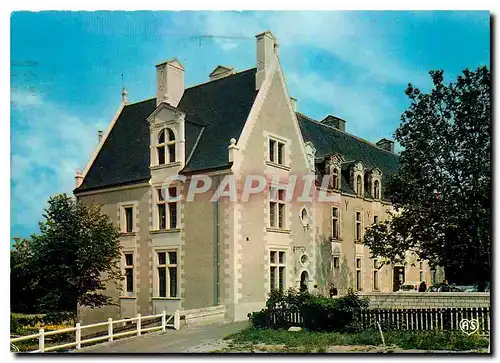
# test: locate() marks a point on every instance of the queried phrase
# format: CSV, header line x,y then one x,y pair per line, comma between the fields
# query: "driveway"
x,y
184,340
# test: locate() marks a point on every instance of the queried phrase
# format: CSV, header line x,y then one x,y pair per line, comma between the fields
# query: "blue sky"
x,y
66,74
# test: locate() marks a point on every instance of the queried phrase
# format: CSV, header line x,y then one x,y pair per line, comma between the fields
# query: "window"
x,y
421,274
358,274
167,211
359,186
375,275
375,219
167,274
129,273
277,208
276,152
358,226
129,219
277,275
335,179
335,223
376,189
166,147
336,262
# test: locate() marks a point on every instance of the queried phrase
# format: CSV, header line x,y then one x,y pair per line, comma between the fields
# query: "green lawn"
x,y
306,341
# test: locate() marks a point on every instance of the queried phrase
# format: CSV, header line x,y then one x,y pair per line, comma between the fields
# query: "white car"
x,y
408,287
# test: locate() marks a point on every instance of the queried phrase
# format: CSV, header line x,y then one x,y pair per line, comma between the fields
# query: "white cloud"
x,y
48,145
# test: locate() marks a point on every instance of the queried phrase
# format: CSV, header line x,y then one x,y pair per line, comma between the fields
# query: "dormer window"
x,y
374,180
335,178
166,147
359,186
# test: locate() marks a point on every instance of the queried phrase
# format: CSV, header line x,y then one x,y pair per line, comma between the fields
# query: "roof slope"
x,y
216,111
328,140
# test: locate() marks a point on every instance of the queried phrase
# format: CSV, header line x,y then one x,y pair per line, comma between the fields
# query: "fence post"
x,y
163,320
138,324
177,320
78,336
110,329
41,340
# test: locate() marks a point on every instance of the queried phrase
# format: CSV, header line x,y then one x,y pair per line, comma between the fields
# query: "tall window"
x,y
277,208
376,189
276,152
421,274
359,186
375,275
167,274
358,226
277,263
129,273
167,211
335,179
166,147
129,219
358,274
375,219
335,223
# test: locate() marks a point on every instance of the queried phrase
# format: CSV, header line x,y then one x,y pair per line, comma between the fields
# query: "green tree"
x,y
442,189
70,262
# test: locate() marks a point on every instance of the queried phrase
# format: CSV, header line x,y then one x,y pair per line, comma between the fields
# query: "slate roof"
x,y
328,140
216,111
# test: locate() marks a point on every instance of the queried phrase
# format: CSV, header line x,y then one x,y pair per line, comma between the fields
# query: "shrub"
x,y
318,313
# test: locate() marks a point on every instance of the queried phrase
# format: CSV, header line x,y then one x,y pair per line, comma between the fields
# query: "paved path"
x,y
184,340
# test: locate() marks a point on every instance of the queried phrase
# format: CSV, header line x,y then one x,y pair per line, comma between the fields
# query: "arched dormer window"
x,y
336,178
376,189
166,147
359,186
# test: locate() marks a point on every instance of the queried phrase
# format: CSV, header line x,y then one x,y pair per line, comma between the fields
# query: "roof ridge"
x,y
347,133
220,79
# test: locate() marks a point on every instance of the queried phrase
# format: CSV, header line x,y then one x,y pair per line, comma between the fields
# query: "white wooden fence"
x,y
165,322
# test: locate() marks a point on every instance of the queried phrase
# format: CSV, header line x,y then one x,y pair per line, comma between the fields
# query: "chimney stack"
x,y
169,82
334,122
386,144
267,50
124,96
99,135
294,103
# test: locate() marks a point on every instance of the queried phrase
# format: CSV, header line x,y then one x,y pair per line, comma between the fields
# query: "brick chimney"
x,y
267,49
169,82
386,144
334,122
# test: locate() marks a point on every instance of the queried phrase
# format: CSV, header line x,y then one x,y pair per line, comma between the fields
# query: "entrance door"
x,y
398,278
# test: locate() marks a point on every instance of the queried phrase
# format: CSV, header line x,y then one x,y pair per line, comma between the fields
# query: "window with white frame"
x,y
277,208
128,212
376,189
376,286
358,226
335,179
359,186
166,266
276,151
165,148
277,265
359,285
336,262
167,210
335,223
129,273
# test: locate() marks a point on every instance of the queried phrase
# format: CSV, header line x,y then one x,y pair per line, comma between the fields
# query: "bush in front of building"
x,y
311,312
